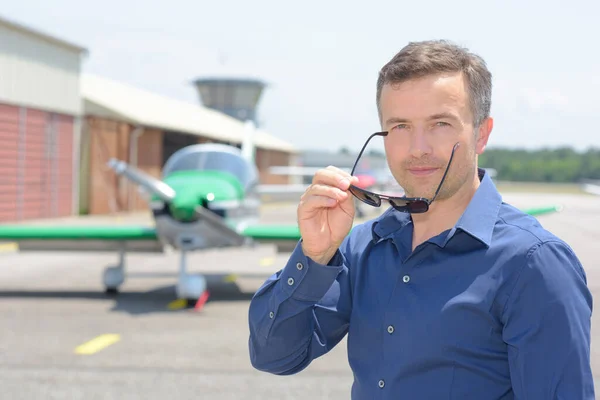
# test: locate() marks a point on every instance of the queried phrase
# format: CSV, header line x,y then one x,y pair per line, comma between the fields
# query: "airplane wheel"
x,y
113,277
191,302
190,287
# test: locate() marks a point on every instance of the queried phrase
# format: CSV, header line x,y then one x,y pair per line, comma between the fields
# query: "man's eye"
x,y
442,123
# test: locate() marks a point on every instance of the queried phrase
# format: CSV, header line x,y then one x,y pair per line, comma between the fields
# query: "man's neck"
x,y
443,214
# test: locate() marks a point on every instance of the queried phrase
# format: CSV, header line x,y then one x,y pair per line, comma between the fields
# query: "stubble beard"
x,y
459,174
416,189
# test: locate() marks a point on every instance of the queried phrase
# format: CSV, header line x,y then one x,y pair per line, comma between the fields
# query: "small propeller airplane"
x,y
209,197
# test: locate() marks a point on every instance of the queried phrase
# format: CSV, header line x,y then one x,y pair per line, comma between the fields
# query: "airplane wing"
x,y
144,238
284,236
535,211
82,238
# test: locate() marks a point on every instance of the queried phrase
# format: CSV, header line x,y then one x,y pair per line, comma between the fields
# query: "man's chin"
x,y
421,191
420,194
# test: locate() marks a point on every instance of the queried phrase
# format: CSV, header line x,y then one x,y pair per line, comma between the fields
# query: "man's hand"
x,y
325,213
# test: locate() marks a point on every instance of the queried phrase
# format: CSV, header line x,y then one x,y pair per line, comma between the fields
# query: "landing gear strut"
x,y
115,276
189,287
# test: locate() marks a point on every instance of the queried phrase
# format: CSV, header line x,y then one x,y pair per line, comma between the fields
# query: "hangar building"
x,y
40,110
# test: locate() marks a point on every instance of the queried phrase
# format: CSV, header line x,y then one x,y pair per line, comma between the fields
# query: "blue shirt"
x,y
495,308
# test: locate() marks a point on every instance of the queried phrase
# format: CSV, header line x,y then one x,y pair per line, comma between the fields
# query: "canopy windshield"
x,y
203,158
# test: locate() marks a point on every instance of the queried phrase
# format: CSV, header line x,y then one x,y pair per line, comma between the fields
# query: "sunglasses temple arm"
x,y
363,149
444,176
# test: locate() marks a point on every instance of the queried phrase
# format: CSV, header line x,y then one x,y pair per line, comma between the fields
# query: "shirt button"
x,y
290,281
271,314
299,266
381,383
390,329
406,278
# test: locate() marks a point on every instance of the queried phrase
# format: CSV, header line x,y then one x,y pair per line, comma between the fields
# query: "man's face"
x,y
424,118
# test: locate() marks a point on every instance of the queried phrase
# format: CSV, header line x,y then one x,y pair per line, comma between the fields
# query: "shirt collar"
x,y
478,219
481,214
389,222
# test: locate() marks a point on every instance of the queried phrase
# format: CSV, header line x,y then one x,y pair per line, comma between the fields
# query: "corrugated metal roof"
x,y
40,35
108,98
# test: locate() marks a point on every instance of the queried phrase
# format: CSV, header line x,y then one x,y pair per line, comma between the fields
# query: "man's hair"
x,y
420,59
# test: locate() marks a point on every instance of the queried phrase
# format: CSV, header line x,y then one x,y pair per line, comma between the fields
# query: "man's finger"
x,y
334,178
316,201
326,190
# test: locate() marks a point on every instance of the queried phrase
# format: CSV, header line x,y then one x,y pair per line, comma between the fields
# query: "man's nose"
x,y
419,143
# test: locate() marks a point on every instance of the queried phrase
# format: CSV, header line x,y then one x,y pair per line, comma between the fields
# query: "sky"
x,y
320,59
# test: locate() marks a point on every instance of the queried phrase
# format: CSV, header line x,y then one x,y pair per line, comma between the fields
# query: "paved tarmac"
x,y
53,303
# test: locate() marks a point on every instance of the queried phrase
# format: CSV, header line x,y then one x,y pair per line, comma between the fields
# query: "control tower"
x,y
236,97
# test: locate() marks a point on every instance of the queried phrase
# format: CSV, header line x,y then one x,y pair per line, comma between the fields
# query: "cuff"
x,y
304,279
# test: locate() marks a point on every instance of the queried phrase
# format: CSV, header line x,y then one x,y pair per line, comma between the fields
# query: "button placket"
x,y
390,329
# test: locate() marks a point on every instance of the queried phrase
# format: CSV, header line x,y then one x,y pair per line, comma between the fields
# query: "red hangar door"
x,y
36,164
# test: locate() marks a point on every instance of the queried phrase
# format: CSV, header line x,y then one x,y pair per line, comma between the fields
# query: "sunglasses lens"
x,y
413,207
418,207
366,197
399,204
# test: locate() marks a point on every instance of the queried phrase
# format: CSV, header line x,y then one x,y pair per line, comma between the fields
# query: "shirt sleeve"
x,y
299,313
547,322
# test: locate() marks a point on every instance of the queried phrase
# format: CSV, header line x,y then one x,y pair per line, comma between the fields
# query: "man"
x,y
469,299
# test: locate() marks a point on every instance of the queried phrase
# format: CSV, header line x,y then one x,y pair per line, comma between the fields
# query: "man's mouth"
x,y
422,171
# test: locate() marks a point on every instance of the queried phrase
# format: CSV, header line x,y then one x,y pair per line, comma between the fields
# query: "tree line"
x,y
562,164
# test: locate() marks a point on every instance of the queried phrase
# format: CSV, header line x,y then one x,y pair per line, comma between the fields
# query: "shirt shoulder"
x,y
538,248
534,261
522,231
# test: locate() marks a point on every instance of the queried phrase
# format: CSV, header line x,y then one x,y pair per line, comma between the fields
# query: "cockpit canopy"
x,y
213,157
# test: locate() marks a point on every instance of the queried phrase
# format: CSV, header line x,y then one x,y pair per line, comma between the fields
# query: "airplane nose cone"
x,y
198,188
183,207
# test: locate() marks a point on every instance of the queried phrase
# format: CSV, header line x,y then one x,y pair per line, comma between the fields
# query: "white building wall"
x,y
39,73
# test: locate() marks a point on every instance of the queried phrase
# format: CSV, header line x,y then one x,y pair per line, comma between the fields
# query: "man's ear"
x,y
483,134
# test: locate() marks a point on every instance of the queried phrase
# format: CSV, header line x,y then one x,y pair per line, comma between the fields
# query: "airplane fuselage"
x,y
210,205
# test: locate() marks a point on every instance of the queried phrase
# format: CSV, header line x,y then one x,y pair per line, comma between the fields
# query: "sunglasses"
x,y
413,205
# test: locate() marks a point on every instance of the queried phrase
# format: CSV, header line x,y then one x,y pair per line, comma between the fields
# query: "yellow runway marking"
x,y
8,247
97,344
177,304
230,278
267,261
